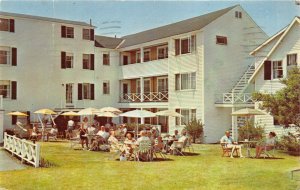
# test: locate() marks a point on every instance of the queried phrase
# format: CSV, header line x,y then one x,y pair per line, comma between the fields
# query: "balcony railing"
x,y
145,97
1,101
234,98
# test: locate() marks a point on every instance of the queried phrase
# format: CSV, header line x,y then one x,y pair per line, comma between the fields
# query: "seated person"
x,y
90,131
129,143
176,135
114,143
159,144
70,128
123,129
267,145
229,143
183,138
102,137
53,132
143,137
34,134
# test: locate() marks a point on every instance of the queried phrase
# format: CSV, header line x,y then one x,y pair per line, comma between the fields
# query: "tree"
x,y
284,105
195,128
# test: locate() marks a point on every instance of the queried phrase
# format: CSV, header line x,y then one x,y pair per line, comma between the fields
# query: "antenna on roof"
x,y
90,22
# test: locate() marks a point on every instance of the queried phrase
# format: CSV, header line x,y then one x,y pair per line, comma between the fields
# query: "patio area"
x,y
207,169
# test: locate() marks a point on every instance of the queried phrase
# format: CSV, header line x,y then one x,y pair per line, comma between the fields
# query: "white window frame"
x,y
89,65
106,91
84,36
167,85
191,113
138,86
150,85
70,35
8,24
137,56
190,77
8,56
86,87
276,69
8,89
147,50
72,60
165,47
106,53
289,59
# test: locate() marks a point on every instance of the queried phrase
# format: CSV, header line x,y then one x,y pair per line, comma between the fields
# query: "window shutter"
x,y
14,56
79,91
11,25
92,57
13,119
177,118
92,92
28,117
267,70
63,60
63,31
92,34
177,46
13,90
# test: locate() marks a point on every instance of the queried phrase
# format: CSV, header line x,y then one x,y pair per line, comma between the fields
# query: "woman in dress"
x,y
267,145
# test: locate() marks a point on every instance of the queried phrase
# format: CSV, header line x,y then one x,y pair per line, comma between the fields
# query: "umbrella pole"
x,y
42,127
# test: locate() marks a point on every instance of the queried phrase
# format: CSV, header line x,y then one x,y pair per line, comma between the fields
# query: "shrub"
x,y
290,142
251,132
194,128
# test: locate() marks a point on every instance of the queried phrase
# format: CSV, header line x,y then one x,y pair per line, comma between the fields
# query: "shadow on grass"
x,y
154,160
190,154
268,158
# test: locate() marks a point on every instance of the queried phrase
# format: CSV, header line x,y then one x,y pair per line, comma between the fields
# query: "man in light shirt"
x,y
228,140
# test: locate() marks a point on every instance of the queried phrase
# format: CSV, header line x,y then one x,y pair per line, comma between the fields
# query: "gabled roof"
x,y
107,42
44,18
283,33
177,28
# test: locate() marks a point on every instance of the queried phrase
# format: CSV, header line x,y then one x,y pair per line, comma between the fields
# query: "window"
x,y
88,34
222,40
291,59
277,69
238,14
8,89
147,55
5,88
125,60
185,45
4,57
162,52
106,87
69,60
86,91
106,59
188,115
7,25
138,57
88,61
67,32
185,81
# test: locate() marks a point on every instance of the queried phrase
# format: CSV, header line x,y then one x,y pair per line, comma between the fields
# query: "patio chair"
x,y
188,145
143,150
75,140
178,147
227,150
157,150
268,153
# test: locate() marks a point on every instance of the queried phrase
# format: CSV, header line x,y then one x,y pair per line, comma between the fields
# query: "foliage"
x,y
290,142
132,126
284,105
194,128
251,132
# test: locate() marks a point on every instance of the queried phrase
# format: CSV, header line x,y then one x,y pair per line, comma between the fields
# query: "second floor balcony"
x,y
231,99
145,97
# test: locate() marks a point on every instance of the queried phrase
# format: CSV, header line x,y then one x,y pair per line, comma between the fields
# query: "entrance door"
x,y
69,93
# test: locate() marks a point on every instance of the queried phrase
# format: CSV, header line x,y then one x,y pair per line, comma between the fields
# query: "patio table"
x,y
248,143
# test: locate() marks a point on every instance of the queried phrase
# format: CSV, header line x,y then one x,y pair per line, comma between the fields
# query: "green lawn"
x,y
78,169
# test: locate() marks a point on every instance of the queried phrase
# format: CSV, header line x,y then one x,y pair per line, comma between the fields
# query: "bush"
x,y
194,128
290,142
251,132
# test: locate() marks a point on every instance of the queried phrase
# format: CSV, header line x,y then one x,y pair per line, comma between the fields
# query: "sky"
x,y
128,17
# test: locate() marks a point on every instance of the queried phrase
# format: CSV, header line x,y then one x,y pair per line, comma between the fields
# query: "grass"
x,y
77,169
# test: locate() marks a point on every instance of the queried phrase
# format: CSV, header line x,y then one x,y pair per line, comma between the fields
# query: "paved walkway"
x,y
8,163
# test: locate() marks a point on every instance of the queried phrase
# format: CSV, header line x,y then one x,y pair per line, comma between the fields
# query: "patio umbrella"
x,y
138,114
17,113
45,112
70,113
247,112
106,114
168,113
88,111
110,109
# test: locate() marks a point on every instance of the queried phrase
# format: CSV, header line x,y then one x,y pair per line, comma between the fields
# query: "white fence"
x,y
234,98
22,148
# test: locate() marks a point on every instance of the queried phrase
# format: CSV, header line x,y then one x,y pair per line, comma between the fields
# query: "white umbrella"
x,y
45,112
138,114
106,114
88,111
70,113
110,109
168,113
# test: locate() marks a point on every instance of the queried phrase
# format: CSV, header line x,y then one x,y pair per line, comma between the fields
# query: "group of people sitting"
x,y
264,145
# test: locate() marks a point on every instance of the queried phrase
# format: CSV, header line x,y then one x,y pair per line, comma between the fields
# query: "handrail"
x,y
234,98
145,97
22,148
1,101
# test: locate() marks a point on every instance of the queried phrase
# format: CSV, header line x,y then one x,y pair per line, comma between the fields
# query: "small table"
x,y
248,143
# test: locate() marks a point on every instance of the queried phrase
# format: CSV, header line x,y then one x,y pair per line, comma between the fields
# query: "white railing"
x,y
145,97
22,148
243,81
234,98
1,101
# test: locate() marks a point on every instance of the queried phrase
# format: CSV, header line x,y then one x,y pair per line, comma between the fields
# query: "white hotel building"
x,y
195,67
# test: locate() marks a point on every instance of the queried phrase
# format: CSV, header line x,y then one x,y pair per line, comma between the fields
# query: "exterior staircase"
x,y
236,95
